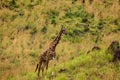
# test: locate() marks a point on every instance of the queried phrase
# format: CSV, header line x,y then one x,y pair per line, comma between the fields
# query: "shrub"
x,y
44,30
53,21
13,17
116,21
10,4
108,2
30,6
69,14
32,26
33,54
34,30
84,20
79,12
100,24
73,1
52,15
118,28
21,12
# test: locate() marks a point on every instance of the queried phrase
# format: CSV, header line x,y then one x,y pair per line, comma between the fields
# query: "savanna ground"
x,y
28,26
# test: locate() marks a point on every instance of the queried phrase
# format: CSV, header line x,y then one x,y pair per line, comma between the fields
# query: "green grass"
x,y
91,66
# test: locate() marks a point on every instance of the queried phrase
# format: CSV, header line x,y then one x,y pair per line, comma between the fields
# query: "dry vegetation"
x,y
28,26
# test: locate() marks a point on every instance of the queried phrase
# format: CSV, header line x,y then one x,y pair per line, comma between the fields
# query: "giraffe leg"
x,y
43,69
36,67
38,71
39,67
47,65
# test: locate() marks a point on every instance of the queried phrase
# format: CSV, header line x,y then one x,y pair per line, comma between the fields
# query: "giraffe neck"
x,y
56,40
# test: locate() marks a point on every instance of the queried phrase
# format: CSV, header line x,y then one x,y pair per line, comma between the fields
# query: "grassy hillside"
x,y
28,26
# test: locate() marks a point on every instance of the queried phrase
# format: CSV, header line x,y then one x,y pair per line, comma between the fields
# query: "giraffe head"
x,y
63,30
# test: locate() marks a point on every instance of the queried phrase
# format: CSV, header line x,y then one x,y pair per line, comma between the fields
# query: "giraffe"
x,y
49,54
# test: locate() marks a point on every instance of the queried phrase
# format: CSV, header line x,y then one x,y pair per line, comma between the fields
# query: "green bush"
x,y
100,24
53,21
13,17
44,30
73,1
33,54
10,4
52,16
108,1
34,30
77,13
